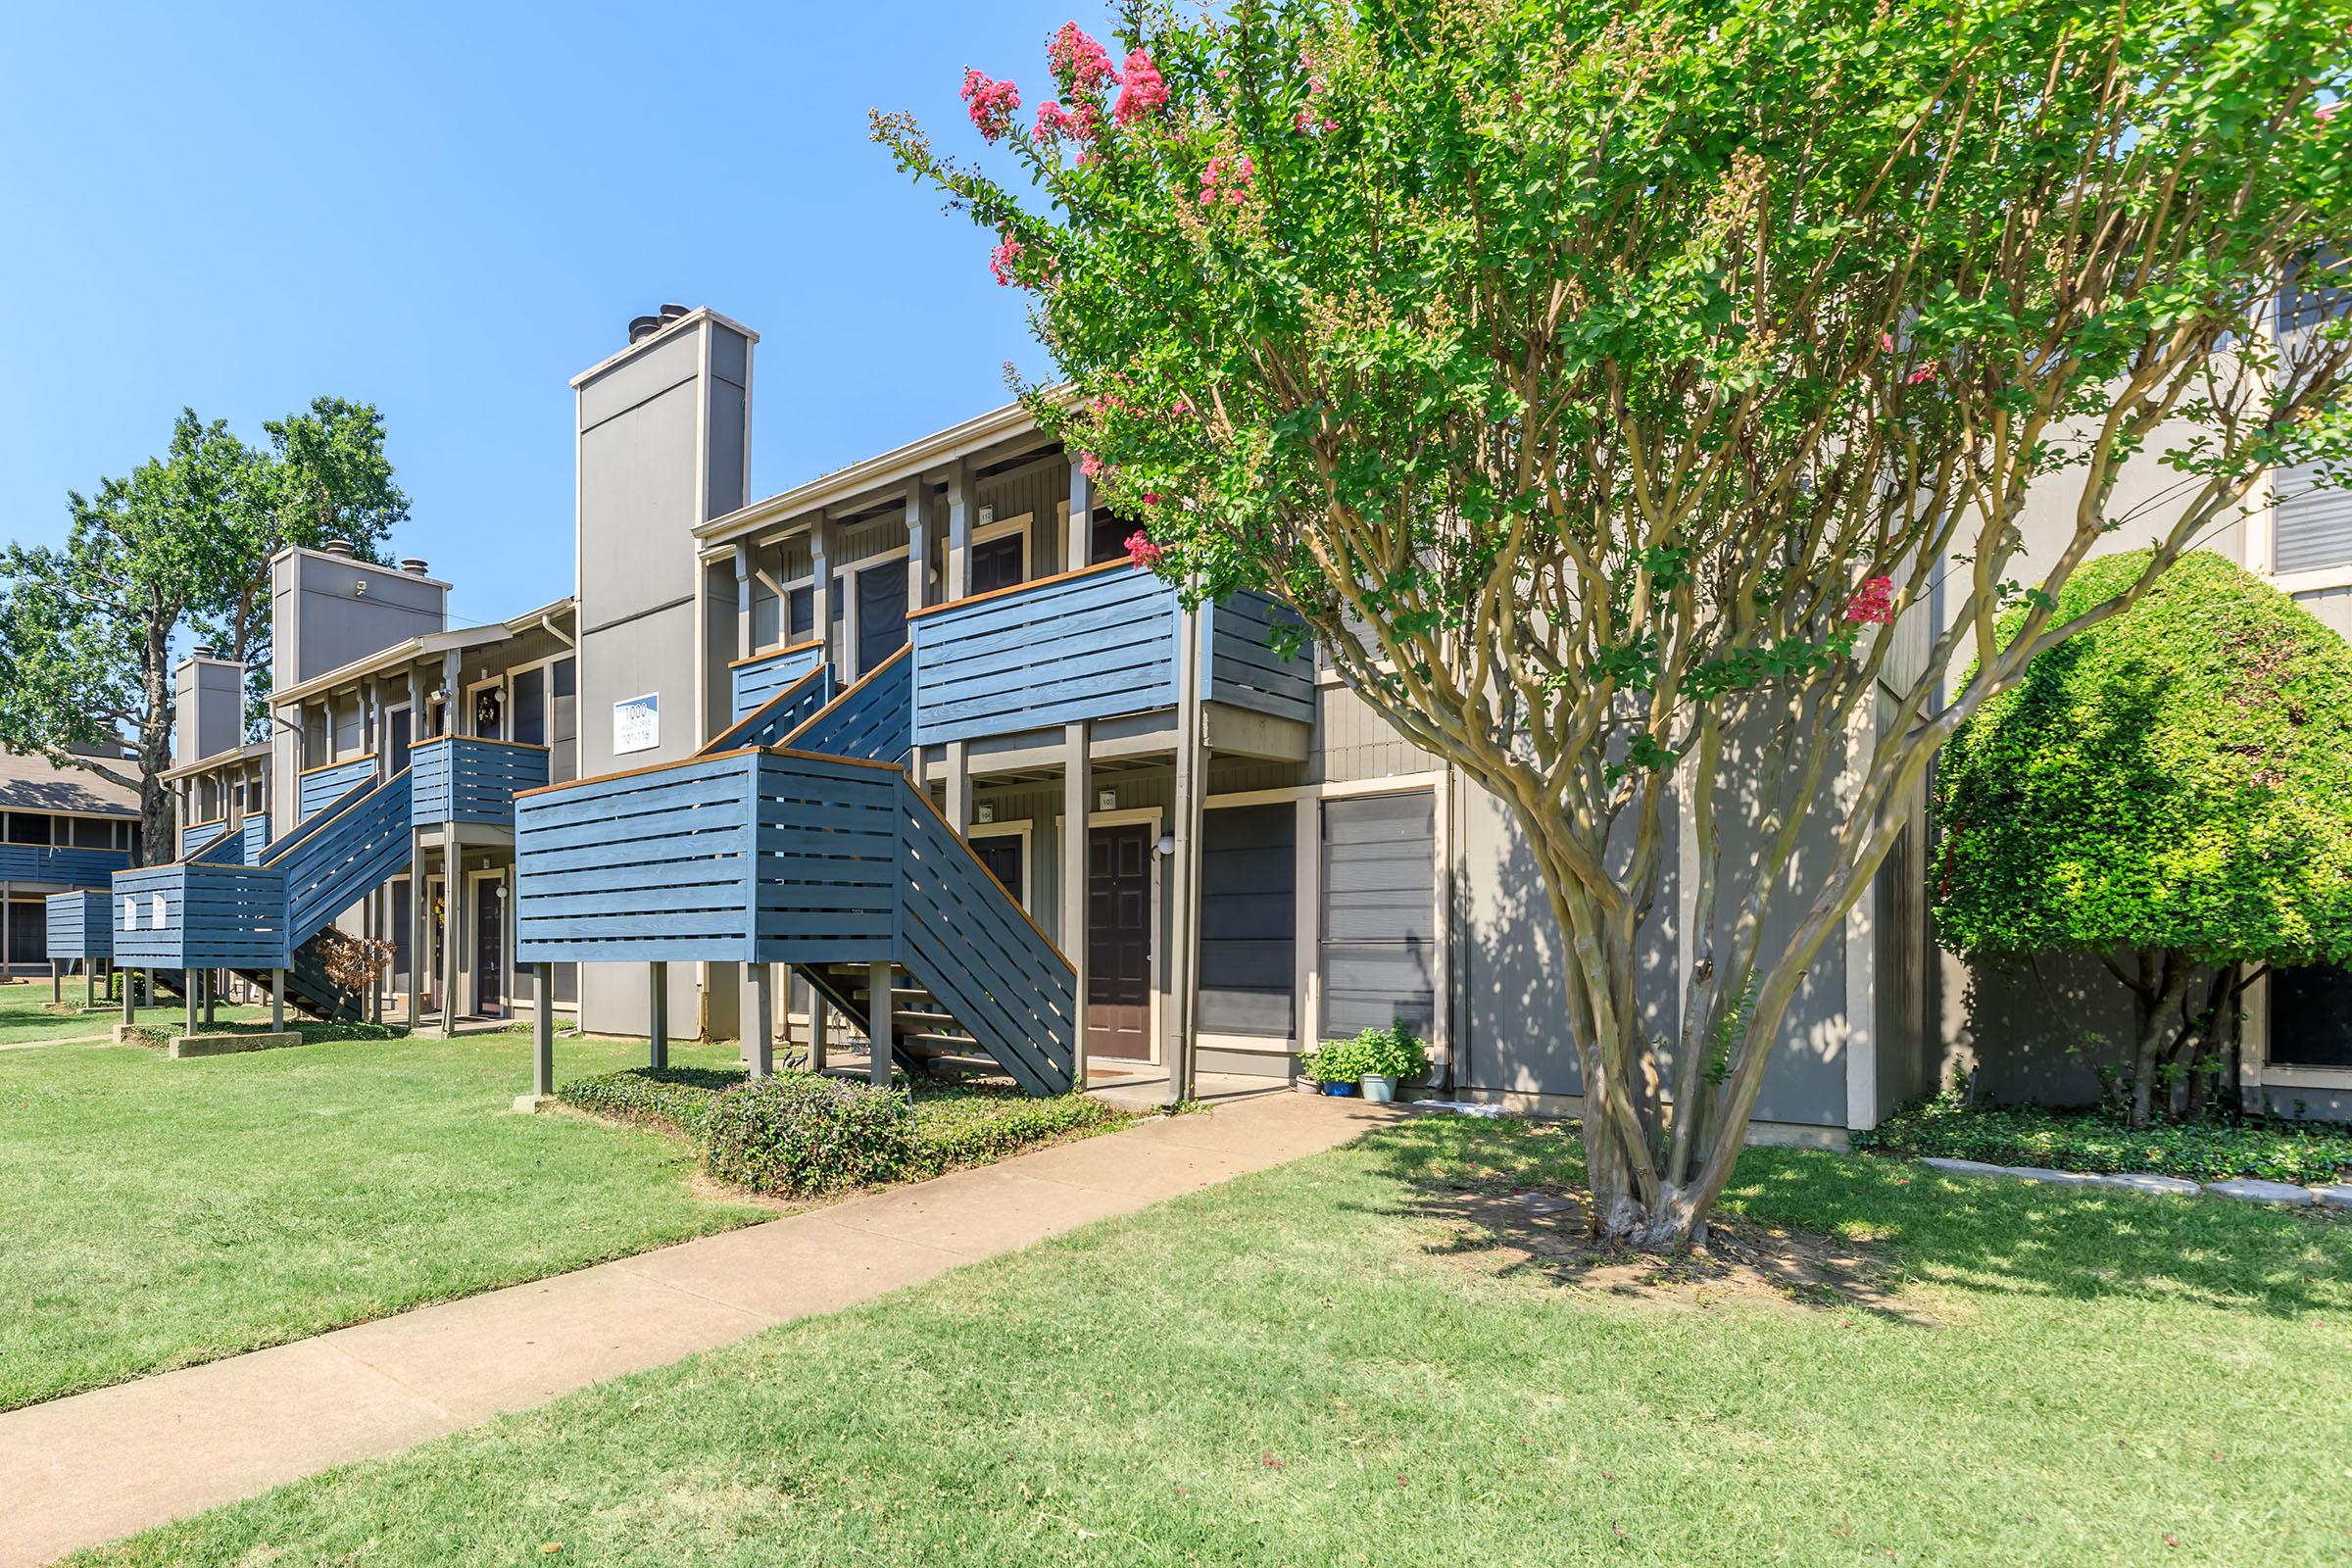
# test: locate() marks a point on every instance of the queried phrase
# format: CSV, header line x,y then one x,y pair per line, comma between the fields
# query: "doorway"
x,y
881,613
489,902
399,731
1118,940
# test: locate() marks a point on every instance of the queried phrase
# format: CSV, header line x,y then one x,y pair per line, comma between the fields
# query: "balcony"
x,y
68,866
1090,645
320,787
467,779
762,675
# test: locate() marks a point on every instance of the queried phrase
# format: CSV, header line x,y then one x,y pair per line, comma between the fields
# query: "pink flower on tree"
x,y
2326,111
1140,91
1078,63
1079,122
1227,179
1872,604
992,103
1142,551
1091,466
1003,259
1926,373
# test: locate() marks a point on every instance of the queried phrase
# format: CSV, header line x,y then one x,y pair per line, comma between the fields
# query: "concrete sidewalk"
x,y
88,1468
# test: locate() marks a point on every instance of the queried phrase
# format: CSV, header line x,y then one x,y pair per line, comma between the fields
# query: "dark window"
x,y
94,833
1106,537
2311,1017
1001,853
1379,912
799,620
1249,919
27,931
28,827
530,707
996,564
881,613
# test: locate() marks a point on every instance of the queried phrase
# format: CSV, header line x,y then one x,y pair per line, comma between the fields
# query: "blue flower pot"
x,y
1347,1090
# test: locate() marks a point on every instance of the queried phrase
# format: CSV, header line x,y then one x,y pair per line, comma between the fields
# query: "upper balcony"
x,y
467,779
762,677
67,866
1097,644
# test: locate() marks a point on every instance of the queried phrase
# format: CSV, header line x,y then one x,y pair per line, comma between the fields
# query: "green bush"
x,y
679,1099
800,1134
1391,1053
975,1124
1946,1128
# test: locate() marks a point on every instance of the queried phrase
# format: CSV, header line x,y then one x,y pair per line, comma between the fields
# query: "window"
x,y
1379,912
530,707
488,704
28,827
996,564
1249,919
2313,520
1106,533
94,833
800,618
2311,1017
881,613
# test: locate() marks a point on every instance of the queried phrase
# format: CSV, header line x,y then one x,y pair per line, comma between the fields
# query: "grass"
x,y
155,1213
1321,1363
23,1020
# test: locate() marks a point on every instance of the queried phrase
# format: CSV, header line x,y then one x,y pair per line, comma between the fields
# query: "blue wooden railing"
x,y
63,863
254,839
463,778
196,835
78,926
1088,645
760,677
872,719
778,716
320,787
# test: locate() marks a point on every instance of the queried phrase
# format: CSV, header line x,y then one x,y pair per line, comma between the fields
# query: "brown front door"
x,y
1118,941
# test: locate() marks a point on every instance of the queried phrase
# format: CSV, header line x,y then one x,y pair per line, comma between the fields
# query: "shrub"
x,y
975,1124
1948,1128
677,1099
1391,1053
800,1135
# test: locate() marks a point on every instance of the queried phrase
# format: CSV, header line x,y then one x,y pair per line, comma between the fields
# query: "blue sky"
x,y
449,211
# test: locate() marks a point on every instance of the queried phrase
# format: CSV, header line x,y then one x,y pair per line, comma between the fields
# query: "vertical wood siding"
x,y
79,927
462,779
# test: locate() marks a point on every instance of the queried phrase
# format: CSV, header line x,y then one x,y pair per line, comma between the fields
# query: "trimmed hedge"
x,y
973,1124
1946,1128
677,1098
800,1134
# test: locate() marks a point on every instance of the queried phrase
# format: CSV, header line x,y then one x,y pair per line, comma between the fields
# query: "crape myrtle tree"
x,y
2169,792
1601,383
181,543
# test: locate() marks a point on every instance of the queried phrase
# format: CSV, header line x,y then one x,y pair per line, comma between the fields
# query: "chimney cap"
x,y
340,547
201,651
671,313
412,564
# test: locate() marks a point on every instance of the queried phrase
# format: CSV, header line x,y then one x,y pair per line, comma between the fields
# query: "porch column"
x,y
918,550
820,1026
89,982
1183,951
743,601
1076,779
130,994
758,1021
57,982
881,977
657,1016
543,1030
277,1000
418,913
191,981
820,564
211,1000
453,925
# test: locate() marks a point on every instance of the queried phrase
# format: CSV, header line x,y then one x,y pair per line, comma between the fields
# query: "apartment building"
x,y
62,830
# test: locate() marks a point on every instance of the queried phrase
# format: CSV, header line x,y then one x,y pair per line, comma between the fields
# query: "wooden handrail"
x,y
346,761
718,742
334,809
479,740
924,796
774,653
903,651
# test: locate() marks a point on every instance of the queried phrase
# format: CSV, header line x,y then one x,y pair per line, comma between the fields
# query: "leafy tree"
x,y
1599,380
2169,790
184,542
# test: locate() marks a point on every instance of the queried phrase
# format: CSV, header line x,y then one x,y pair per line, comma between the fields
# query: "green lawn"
x,y
155,1213
1320,1364
23,1020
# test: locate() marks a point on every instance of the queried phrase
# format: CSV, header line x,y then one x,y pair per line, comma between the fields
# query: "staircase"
x,y
328,864
818,852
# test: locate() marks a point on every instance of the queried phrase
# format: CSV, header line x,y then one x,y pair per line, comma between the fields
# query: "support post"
x,y
277,1000
418,913
191,981
1076,780
211,1000
543,1030
57,982
881,977
758,1021
821,563
1184,966
131,1002
89,982
453,925
657,1016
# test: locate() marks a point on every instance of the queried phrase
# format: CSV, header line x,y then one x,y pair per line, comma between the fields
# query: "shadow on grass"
x,y
1841,1230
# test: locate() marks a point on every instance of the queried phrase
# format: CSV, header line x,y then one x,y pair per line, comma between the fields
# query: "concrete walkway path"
x,y
94,1466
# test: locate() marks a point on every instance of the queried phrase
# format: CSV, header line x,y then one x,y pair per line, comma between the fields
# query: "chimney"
x,y
340,547
208,694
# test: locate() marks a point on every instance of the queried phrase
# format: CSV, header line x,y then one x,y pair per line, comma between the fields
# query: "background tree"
x,y
2167,792
86,629
1597,380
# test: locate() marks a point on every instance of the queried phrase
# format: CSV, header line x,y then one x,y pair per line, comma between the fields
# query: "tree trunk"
x,y
2168,973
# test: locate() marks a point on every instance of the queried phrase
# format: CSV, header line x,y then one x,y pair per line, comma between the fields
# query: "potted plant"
x,y
1386,1058
1331,1066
